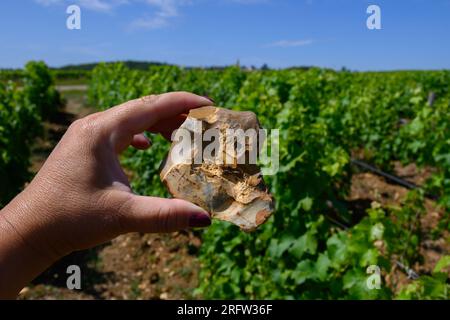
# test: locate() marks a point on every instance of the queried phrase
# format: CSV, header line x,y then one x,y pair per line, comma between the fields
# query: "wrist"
x,y
23,254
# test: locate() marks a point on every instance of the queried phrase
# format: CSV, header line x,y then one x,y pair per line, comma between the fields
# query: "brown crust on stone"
x,y
262,216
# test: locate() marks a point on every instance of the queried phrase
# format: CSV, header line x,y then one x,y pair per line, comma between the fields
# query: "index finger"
x,y
138,115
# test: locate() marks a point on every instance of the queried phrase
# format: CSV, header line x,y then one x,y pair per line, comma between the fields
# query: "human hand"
x,y
81,197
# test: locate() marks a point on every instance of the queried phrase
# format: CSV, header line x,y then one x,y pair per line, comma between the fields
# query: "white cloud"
x,y
165,11
48,2
91,50
149,23
249,1
290,43
96,5
166,8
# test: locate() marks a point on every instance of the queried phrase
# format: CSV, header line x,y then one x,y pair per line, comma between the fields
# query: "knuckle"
x,y
75,126
150,99
88,126
162,222
122,212
168,219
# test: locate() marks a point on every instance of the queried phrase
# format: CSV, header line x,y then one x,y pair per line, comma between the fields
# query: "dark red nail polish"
x,y
210,99
199,220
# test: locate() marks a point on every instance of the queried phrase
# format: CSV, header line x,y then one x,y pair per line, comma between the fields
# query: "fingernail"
x,y
199,220
210,99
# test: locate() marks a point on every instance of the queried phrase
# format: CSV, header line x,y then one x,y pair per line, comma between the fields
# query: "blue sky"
x,y
327,33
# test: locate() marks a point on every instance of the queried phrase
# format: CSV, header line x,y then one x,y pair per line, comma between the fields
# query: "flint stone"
x,y
228,190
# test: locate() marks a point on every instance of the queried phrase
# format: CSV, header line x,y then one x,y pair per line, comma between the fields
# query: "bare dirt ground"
x,y
132,266
71,87
138,266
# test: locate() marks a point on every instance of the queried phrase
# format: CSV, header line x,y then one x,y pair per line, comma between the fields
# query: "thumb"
x,y
158,215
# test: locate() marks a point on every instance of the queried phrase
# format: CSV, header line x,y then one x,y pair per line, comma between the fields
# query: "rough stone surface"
x,y
228,191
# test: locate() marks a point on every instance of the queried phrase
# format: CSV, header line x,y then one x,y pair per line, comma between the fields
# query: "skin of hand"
x,y
81,197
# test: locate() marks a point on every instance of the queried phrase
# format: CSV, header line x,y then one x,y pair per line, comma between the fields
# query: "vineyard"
x,y
317,245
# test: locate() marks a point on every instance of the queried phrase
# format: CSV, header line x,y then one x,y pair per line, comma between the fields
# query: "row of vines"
x,y
25,102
